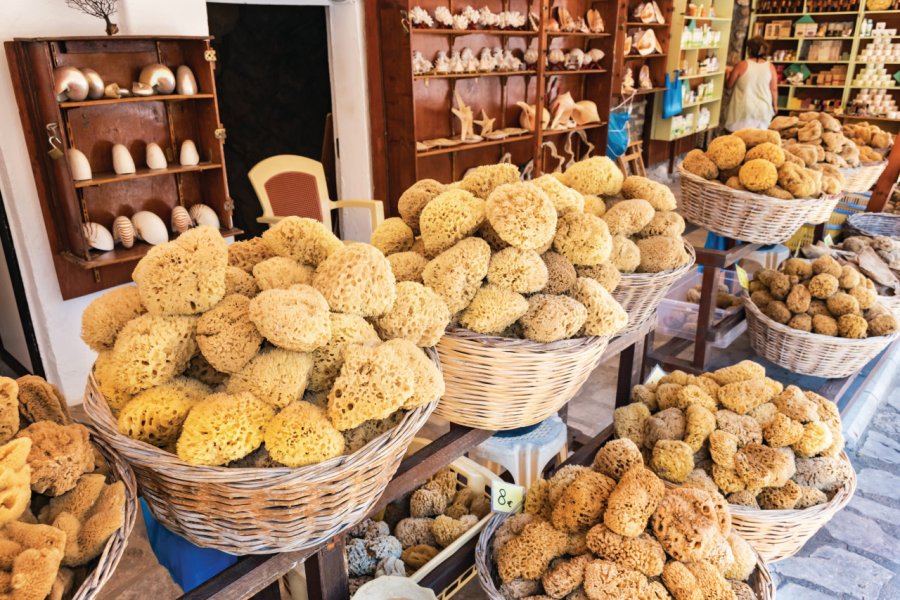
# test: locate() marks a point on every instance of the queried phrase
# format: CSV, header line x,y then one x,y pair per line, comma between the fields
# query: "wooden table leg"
x,y
705,315
326,573
630,371
273,592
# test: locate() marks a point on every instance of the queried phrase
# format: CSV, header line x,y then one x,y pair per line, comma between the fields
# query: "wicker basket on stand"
x,y
115,547
746,216
500,383
760,580
260,510
810,353
640,293
873,224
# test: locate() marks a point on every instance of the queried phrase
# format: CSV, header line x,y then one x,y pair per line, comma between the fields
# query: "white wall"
x,y
57,323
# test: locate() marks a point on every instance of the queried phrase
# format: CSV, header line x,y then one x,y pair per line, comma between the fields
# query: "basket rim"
x,y
501,343
761,198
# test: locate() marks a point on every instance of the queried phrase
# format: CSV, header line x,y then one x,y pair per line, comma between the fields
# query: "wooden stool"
x,y
634,158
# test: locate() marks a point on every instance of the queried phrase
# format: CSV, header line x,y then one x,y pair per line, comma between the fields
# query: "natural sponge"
x,y
628,216
305,240
605,316
561,273
565,199
493,309
768,151
633,501
522,215
185,276
281,272
727,151
407,266
456,274
597,176
152,349
582,503
521,271
275,376
238,281
583,239
222,428
629,422
245,254
452,216
758,175
59,455
392,235
107,315
661,253
428,381
9,408
672,460
616,457
447,529
697,162
658,195
641,553
483,180
419,315
293,319
686,525
528,555
415,198
301,434
552,318
226,336
15,479
327,359
155,416
357,279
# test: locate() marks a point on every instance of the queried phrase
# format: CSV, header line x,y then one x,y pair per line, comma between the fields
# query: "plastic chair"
x,y
525,453
290,185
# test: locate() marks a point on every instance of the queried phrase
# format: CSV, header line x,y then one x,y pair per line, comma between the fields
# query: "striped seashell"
x,y
123,231
98,236
181,219
204,215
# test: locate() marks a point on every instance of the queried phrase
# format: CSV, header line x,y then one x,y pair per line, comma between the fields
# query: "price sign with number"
x,y
655,375
742,277
507,497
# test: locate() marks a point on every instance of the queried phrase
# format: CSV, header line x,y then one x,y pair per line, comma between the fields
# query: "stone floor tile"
x,y
875,510
875,482
880,447
792,591
864,534
839,571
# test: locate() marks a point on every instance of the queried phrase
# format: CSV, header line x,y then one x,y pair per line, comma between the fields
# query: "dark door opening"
x,y
274,90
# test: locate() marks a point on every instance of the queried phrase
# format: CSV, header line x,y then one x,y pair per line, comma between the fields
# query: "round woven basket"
x,y
500,383
640,293
115,547
260,510
746,216
810,353
760,580
873,224
780,534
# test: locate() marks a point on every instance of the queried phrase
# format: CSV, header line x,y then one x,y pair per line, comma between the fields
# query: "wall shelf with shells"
x,y
126,146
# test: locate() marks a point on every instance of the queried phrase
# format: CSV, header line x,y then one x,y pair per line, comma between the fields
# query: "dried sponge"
x,y
583,239
668,424
38,400
247,253
629,421
767,151
605,316
616,457
281,272
448,218
722,448
564,199
658,195
59,455
699,423
155,416
483,180
815,439
564,576
596,176
852,326
605,579
417,556
661,253
238,281
672,460
779,498
744,427
552,318
106,315
419,315
641,553
407,266
456,274
15,479
628,217
528,555
727,151
697,162
31,558
305,240
759,466
521,271
152,349
625,254
428,381
357,279
301,434
327,359
742,371
823,286
226,336
782,431
415,198
493,309
594,205
686,524
275,376
427,503
392,235
561,273
9,409
185,276
583,502
293,319
633,502
664,222
743,396
447,529
522,215
755,137
606,274
222,428
758,175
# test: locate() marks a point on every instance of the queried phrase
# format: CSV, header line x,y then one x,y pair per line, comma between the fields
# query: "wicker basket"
x,y
873,224
810,353
499,383
760,580
115,547
257,510
780,534
746,216
640,293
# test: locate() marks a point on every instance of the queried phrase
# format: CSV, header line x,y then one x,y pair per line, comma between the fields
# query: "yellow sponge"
x,y
223,428
452,216
226,336
301,434
281,272
155,416
245,254
153,349
419,315
357,279
305,240
275,376
428,381
522,215
456,274
294,319
392,236
327,360
107,315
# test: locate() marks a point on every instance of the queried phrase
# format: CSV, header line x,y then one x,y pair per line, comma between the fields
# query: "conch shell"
x,y
595,21
648,44
98,236
585,112
70,84
562,111
526,117
123,231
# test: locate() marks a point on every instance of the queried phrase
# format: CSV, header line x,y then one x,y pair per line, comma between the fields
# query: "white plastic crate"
x,y
676,317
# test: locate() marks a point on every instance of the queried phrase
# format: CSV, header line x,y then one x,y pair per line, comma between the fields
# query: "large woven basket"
x,y
810,353
115,547
760,580
640,293
873,224
780,534
746,216
259,510
500,383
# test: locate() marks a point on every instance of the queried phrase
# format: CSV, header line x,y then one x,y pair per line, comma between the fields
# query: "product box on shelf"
x,y
677,317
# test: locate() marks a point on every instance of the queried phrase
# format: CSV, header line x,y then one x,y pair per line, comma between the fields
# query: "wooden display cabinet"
x,y
94,126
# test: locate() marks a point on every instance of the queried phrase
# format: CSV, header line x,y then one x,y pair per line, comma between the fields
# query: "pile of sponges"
x,y
873,142
413,529
738,432
757,160
613,530
57,510
538,259
817,137
284,350
822,296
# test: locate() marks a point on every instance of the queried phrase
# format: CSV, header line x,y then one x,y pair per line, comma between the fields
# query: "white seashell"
x,y
443,16
181,219
123,231
460,22
487,18
159,77
78,164
156,158
595,55
531,56
141,89
150,228
188,156
114,91
123,164
204,215
575,59
98,236
185,82
70,84
472,15
456,63
556,56
419,17
95,83
441,62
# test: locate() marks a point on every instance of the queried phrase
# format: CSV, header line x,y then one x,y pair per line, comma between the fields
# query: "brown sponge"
x,y
560,273
30,557
605,316
40,400
582,502
223,428
672,460
605,579
245,254
59,455
552,318
564,576
759,466
305,240
428,381
106,315
9,409
446,529
419,314
528,555
226,336
633,501
686,524
616,457
641,553
294,319
629,421
407,266
238,281
301,434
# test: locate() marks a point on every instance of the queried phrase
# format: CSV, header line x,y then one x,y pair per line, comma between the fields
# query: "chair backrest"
x,y
288,185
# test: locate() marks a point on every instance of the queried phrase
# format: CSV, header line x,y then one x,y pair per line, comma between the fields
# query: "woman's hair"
x,y
757,47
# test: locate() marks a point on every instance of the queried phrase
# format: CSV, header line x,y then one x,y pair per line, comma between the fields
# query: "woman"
x,y
755,84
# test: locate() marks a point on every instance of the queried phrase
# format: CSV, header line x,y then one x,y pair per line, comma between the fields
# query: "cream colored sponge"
x,y
522,215
294,319
357,279
419,315
305,240
450,217
327,360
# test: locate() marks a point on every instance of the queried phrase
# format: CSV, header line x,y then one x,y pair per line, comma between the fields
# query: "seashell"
x,y
487,18
114,91
443,16
562,107
123,231
188,156
556,56
78,164
595,21
141,89
95,84
156,158
159,77
531,56
185,82
575,59
204,215
644,78
98,237
526,117
421,65
441,62
123,164
181,219
585,112
552,25
419,17
150,228
595,55
70,84
460,22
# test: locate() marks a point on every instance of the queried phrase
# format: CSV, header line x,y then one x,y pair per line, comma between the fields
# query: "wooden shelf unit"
x,y
418,108
94,126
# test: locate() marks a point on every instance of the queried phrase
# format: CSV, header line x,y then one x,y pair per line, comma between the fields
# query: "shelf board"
x,y
577,34
881,12
639,24
873,87
649,56
688,133
701,102
648,91
812,14
823,87
473,75
701,75
123,255
578,72
482,144
509,32
553,132
131,99
842,38
106,178
879,37
868,118
716,19
812,62
690,49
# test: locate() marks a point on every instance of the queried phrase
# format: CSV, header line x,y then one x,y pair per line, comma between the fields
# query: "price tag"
x,y
742,277
507,497
828,241
655,375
